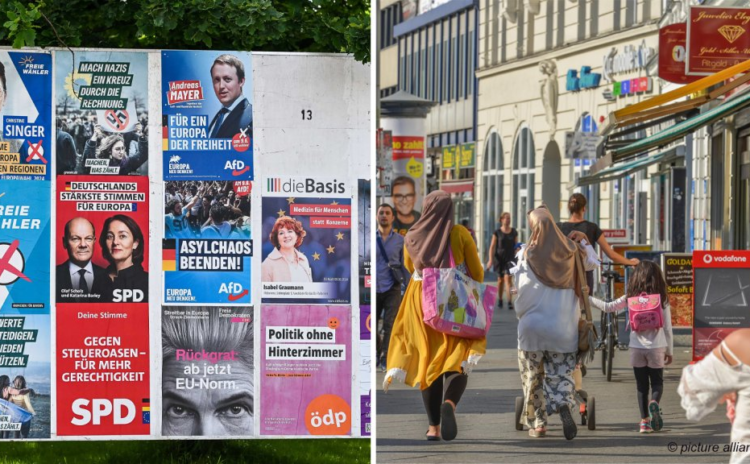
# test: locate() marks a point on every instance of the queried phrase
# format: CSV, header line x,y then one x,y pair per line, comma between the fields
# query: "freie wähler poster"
x,y
208,386
365,220
306,370
25,115
103,369
306,241
207,247
24,246
207,115
102,111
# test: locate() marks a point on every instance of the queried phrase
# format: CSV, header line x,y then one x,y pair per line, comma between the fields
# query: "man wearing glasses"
x,y
78,279
404,194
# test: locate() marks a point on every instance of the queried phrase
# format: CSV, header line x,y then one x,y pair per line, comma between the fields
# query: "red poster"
x,y
103,370
408,147
717,38
672,52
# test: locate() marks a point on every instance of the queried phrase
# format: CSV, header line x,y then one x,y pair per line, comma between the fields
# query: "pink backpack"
x,y
645,312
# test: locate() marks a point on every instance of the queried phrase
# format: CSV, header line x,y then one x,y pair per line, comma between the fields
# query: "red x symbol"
x,y
5,261
35,152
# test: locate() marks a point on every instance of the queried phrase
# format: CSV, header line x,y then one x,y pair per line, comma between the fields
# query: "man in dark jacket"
x,y
67,159
236,114
78,279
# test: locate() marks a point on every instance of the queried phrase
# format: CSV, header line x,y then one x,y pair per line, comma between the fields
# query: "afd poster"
x,y
365,227
103,370
24,246
25,115
102,246
207,372
307,227
306,370
102,113
207,247
207,122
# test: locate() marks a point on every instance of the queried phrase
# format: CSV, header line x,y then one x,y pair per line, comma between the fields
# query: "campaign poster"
x,y
25,115
24,246
408,184
207,115
102,239
25,366
306,241
102,113
365,366
678,274
208,386
207,247
103,369
306,370
365,229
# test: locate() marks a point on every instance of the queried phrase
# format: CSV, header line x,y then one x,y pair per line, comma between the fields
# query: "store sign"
x,y
678,274
721,300
632,86
616,235
631,59
672,53
587,79
581,145
717,38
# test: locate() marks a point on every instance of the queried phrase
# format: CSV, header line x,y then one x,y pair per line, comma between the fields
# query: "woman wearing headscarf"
x,y
547,309
418,354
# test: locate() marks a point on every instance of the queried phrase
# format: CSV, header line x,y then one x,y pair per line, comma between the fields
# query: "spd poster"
x,y
208,386
102,113
102,246
307,227
207,247
306,370
25,115
207,122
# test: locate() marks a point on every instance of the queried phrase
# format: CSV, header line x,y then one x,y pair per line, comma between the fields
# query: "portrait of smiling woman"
x,y
286,263
123,246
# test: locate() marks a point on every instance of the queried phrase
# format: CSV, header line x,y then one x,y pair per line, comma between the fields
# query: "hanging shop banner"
x,y
678,273
721,299
672,52
207,247
717,38
365,366
306,370
307,226
102,111
207,117
207,372
25,115
407,186
103,370
102,239
24,246
365,224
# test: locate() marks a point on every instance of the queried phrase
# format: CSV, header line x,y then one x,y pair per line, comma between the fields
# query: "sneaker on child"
x,y
646,427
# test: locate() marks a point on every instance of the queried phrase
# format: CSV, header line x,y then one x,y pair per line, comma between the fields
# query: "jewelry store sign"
x,y
717,38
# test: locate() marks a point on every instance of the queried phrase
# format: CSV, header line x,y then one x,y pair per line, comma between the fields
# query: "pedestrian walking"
x,y
438,362
722,376
503,257
547,310
390,275
651,348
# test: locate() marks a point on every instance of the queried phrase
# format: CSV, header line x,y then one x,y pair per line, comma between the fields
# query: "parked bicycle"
x,y
610,323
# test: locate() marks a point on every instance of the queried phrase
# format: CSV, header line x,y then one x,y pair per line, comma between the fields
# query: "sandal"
x,y
431,437
538,432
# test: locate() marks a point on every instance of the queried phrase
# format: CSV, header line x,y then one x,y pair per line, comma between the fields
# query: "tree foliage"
x,y
257,25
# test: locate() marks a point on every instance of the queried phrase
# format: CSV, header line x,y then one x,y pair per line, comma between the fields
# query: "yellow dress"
x,y
417,354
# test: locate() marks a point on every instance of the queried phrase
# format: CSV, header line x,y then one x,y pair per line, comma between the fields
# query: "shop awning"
x,y
458,187
626,168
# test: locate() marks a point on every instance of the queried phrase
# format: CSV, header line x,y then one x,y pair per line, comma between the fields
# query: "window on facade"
x,y
470,76
492,186
523,179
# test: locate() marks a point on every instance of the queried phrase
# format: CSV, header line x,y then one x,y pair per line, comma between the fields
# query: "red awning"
x,y
458,187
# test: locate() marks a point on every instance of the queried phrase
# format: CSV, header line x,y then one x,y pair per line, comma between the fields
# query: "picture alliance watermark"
x,y
690,447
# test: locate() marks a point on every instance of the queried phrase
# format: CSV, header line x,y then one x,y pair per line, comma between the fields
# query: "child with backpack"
x,y
651,341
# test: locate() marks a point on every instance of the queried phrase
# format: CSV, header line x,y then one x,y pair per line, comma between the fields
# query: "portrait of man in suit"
x,y
78,279
236,113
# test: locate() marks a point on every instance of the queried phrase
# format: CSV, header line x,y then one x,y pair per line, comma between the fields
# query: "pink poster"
x,y
306,370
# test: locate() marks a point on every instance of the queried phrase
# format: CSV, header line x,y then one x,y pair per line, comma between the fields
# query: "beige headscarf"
x,y
429,238
550,254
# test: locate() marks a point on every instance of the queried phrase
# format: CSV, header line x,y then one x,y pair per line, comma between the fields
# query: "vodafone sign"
x,y
721,259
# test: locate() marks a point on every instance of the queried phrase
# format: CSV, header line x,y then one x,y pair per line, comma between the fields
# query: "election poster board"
x,y
365,227
207,246
25,115
24,246
721,298
207,115
365,368
102,104
407,186
306,370
103,247
306,241
208,386
103,369
678,273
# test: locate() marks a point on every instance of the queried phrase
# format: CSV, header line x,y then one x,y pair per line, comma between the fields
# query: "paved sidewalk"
x,y
486,417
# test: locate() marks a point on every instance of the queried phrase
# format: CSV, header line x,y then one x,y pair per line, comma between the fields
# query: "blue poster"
x,y
207,115
25,115
207,247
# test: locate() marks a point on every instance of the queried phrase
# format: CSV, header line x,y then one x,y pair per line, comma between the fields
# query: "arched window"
x,y
492,186
523,180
